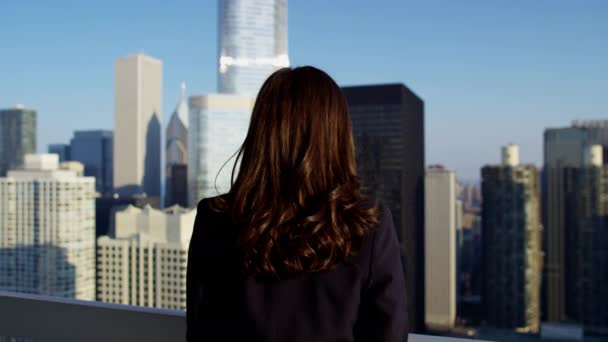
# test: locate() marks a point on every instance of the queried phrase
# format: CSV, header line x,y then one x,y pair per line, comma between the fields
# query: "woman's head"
x,y
297,195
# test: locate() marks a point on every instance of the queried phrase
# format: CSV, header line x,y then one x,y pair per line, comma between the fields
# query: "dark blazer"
x,y
363,300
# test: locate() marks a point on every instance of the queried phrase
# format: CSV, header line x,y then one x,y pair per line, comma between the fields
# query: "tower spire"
x,y
183,85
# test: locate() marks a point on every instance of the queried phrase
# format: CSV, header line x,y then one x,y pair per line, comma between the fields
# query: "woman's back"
x,y
295,251
362,299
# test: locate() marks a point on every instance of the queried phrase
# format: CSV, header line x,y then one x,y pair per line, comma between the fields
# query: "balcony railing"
x,y
33,318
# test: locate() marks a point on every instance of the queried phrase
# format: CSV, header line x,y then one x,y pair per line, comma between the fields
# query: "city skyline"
x,y
545,71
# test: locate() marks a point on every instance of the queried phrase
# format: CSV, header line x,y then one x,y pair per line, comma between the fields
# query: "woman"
x,y
294,252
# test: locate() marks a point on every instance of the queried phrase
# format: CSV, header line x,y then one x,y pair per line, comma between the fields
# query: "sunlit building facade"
x,y
145,262
441,224
218,126
137,124
47,230
511,258
252,43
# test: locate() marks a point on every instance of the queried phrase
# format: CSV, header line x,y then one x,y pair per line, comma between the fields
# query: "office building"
x,y
218,126
47,233
137,125
440,248
106,207
17,137
145,262
252,43
511,244
62,150
95,150
388,128
176,155
586,197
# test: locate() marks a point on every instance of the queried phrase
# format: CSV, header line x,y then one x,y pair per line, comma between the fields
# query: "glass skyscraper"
x,y
388,127
17,137
218,126
94,149
252,43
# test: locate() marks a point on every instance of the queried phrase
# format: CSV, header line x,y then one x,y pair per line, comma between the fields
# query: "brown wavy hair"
x,y
297,195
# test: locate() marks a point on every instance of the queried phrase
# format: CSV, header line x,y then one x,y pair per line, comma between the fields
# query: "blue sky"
x,y
490,72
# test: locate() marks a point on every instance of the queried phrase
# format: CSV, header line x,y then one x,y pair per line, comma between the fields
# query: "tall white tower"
x,y
252,43
47,230
137,124
440,217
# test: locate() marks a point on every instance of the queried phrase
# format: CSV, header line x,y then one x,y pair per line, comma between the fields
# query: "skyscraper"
x,y
252,43
218,126
95,150
47,232
563,147
17,137
511,244
388,127
440,248
145,262
176,154
137,122
62,150
586,254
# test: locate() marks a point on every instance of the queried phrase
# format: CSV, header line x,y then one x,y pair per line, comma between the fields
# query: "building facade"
x,y
388,128
176,154
511,258
440,219
218,126
586,197
95,150
62,150
47,230
145,262
137,125
252,43
17,137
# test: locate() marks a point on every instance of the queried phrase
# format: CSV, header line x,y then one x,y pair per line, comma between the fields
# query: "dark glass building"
x,y
94,149
17,137
388,126
178,185
586,288
63,150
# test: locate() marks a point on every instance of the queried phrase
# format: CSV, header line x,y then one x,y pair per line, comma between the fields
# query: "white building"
x,y
252,43
176,152
145,263
218,126
137,124
441,216
47,230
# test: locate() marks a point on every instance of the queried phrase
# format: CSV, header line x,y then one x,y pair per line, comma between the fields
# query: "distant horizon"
x,y
485,81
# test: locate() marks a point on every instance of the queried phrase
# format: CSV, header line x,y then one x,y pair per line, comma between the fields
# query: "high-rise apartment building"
x,y
176,154
252,43
440,220
137,124
586,254
47,230
388,128
17,137
218,126
95,150
145,262
511,244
